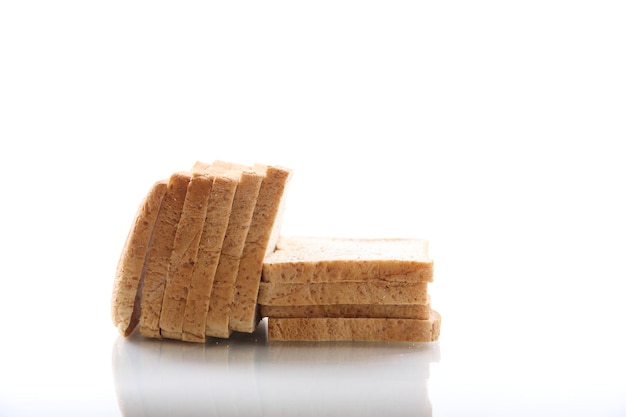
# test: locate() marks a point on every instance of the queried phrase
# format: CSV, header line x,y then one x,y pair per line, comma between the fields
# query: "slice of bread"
x,y
130,267
311,259
328,293
158,260
244,315
213,236
355,329
407,311
184,255
221,294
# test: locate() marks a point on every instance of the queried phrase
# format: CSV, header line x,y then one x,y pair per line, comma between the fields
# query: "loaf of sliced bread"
x,y
355,329
125,302
313,259
325,293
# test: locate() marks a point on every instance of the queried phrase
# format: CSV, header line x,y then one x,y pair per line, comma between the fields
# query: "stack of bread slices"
x,y
204,258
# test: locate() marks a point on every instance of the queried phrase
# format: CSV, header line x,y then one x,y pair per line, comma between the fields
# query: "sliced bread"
x,y
219,211
312,259
402,311
355,329
184,255
244,315
130,267
325,293
158,260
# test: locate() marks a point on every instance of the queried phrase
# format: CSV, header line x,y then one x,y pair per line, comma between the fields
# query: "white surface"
x,y
494,130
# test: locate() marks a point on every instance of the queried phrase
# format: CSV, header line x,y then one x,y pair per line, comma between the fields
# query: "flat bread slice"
x,y
244,315
130,267
158,260
355,329
313,259
213,236
325,293
184,255
406,311
221,295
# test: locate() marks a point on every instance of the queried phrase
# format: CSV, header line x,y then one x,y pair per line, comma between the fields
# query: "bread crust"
x,y
325,293
158,260
355,329
244,315
130,267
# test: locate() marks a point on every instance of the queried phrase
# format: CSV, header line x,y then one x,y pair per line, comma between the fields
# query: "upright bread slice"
x,y
402,311
355,329
184,255
221,295
158,260
213,237
325,293
244,315
130,267
310,259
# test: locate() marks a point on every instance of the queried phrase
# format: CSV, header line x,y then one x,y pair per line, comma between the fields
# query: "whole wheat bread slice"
x,y
213,238
130,267
158,260
312,259
406,311
244,315
184,255
325,293
355,329
221,294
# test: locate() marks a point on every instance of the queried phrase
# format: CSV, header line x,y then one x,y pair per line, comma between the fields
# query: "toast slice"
x,y
130,268
325,293
213,237
311,259
158,260
244,316
184,255
355,329
221,294
406,311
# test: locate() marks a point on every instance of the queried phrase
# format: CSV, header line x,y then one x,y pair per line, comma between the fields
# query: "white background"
x,y
494,129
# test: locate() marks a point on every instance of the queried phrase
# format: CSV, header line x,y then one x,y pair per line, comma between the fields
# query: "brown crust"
x,y
355,329
131,262
158,261
325,293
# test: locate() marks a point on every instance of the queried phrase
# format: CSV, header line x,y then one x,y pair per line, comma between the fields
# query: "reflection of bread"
x,y
243,313
363,329
407,311
129,271
309,259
